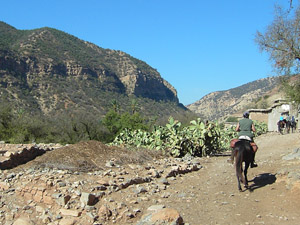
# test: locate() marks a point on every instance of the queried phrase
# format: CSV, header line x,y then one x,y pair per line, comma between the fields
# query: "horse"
x,y
243,152
293,125
281,125
288,125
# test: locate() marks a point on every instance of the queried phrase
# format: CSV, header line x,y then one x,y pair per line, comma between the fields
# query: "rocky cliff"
x,y
48,70
221,104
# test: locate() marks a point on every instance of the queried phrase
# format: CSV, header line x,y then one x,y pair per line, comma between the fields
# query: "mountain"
x,y
222,104
50,71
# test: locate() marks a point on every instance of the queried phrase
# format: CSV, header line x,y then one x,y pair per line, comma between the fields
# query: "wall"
x,y
261,116
274,115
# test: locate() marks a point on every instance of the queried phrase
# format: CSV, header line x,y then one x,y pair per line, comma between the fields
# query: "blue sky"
x,y
198,46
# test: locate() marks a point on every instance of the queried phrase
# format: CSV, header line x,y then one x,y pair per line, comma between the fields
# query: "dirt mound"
x,y
91,155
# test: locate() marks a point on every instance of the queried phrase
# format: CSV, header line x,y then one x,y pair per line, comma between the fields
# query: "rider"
x,y
279,124
245,127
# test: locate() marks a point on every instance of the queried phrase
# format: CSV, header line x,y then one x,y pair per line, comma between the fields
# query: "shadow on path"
x,y
262,180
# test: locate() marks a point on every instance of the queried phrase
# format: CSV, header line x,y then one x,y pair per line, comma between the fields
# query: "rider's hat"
x,y
246,114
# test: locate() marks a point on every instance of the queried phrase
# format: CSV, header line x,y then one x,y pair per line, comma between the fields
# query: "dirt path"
x,y
211,196
203,197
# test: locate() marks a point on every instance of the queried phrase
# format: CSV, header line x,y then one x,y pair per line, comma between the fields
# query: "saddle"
x,y
253,145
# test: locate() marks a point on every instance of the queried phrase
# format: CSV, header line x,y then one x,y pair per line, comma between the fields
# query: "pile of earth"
x,y
92,155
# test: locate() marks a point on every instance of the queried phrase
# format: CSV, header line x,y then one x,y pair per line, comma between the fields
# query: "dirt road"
x,y
211,196
207,196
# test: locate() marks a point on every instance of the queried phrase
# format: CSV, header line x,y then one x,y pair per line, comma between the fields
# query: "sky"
x,y
198,46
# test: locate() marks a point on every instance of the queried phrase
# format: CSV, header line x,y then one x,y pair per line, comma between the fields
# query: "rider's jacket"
x,y
246,128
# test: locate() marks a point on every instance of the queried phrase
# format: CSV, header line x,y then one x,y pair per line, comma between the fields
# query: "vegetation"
x,y
281,41
291,88
17,126
130,129
198,139
232,119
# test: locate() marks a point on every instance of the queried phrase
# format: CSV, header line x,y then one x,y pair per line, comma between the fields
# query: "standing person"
x,y
246,128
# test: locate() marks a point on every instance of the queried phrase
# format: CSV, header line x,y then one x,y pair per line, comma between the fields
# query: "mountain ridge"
x,y
222,104
49,70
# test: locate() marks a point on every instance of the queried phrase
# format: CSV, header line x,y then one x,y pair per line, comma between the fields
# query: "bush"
x,y
232,119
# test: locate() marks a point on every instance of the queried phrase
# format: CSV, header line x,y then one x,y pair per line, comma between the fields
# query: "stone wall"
x,y
12,155
259,115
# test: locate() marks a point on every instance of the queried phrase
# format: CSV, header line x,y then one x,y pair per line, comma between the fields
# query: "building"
x,y
272,115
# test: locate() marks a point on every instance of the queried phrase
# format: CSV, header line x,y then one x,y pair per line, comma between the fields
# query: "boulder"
x,y
166,216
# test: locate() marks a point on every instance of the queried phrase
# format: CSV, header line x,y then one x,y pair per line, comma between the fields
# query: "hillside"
x,y
221,104
49,71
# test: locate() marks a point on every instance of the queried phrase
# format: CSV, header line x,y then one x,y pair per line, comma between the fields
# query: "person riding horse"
x,y
281,124
245,128
293,124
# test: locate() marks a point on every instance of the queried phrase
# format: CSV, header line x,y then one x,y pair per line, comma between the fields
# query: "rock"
x,y
67,221
154,173
62,184
39,209
63,200
139,189
8,154
68,212
103,181
166,195
294,155
156,207
23,221
163,181
101,188
104,212
109,164
4,186
87,199
167,216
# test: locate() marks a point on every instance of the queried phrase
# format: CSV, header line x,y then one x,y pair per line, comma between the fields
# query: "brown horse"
x,y
281,124
243,153
293,126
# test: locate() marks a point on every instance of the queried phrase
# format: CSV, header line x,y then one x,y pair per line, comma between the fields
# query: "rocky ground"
x,y
90,183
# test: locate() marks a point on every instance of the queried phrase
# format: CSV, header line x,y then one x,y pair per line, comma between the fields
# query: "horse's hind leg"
x,y
239,176
239,183
245,174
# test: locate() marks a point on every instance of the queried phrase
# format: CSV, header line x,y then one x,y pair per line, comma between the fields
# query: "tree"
x,y
291,88
133,106
115,105
6,119
112,121
281,41
133,122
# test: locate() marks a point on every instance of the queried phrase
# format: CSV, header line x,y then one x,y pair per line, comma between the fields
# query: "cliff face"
x,y
48,69
222,104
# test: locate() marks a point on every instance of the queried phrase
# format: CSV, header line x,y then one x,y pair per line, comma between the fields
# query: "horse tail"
x,y
239,153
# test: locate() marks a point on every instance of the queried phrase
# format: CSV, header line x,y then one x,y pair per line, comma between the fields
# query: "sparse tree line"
x,y
19,126
127,129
